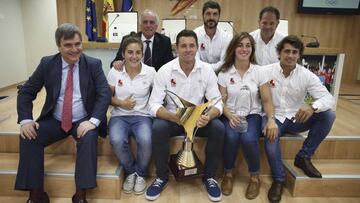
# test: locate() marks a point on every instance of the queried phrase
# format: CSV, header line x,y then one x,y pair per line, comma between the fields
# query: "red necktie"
x,y
66,120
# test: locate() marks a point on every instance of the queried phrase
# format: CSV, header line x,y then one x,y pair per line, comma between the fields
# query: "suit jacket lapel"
x,y
83,77
156,50
56,76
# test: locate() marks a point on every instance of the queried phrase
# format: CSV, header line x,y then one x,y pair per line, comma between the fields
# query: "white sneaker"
x,y
140,185
129,183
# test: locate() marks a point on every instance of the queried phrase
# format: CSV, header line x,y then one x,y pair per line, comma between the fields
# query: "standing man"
x,y
157,47
76,103
193,80
266,38
212,40
290,83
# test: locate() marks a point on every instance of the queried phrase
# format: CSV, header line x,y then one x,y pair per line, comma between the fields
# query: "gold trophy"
x,y
185,163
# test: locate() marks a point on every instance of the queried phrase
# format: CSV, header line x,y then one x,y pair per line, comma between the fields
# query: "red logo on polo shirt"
x,y
173,82
271,83
232,81
202,46
120,83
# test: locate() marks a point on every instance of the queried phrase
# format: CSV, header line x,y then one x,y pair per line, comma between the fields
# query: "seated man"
x,y
289,84
77,98
157,47
193,80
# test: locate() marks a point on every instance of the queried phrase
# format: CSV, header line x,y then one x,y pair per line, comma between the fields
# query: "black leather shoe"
x,y
75,200
43,199
308,168
275,192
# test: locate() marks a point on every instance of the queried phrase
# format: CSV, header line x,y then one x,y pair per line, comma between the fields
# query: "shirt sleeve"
x,y
111,77
221,79
158,92
212,90
261,75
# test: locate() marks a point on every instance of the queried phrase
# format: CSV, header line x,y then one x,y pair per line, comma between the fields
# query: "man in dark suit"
x,y
157,47
77,98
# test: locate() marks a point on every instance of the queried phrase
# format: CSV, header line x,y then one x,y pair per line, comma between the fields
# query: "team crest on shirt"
x,y
271,83
232,81
120,82
173,82
202,46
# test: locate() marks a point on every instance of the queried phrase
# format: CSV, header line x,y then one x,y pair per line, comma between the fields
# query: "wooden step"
x,y
9,143
59,176
340,178
333,147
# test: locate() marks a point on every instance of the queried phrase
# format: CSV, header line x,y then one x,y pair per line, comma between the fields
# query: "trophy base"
x,y
181,173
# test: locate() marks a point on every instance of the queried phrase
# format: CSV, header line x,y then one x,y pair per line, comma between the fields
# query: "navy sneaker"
x,y
212,189
154,190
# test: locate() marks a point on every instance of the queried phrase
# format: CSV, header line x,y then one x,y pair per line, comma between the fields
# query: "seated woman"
x,y
241,84
131,89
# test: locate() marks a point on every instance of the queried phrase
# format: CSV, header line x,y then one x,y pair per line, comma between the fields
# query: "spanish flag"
x,y
108,7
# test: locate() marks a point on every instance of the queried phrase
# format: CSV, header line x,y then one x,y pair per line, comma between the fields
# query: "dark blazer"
x,y
161,51
94,89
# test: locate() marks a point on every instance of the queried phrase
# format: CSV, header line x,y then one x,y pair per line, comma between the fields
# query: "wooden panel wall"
x,y
334,31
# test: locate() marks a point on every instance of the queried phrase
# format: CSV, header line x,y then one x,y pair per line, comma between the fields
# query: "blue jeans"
x,y
140,127
163,129
319,126
249,142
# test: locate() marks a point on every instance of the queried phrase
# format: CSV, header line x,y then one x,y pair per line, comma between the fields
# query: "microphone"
x,y
232,27
112,22
103,39
315,44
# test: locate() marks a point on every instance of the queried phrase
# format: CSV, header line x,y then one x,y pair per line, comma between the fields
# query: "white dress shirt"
x,y
232,81
78,107
200,84
266,53
213,50
151,44
288,93
139,87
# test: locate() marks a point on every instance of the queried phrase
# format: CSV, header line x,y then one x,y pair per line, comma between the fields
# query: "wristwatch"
x,y
314,107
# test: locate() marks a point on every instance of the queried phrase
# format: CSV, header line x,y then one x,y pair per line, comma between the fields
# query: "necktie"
x,y
66,119
147,56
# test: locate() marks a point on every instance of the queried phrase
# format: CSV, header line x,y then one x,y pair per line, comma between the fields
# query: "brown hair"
x,y
132,38
230,51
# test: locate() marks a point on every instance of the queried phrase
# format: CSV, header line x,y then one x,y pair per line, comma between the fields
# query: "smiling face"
x,y
289,56
268,24
211,18
243,50
186,49
133,55
71,49
148,26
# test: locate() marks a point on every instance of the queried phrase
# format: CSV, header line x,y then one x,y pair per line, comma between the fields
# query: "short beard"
x,y
206,24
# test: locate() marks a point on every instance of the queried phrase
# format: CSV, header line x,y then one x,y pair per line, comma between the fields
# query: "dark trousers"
x,y
31,163
163,129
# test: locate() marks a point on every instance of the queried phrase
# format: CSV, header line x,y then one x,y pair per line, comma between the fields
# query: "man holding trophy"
x,y
190,81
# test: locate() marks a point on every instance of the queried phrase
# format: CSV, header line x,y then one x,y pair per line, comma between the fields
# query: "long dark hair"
x,y
230,51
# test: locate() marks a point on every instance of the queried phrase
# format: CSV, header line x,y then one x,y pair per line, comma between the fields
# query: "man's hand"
x,y
128,103
271,129
28,130
118,65
304,113
203,121
83,128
